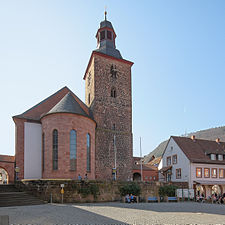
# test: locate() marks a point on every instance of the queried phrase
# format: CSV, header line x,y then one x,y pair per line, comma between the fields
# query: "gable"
x,y
35,112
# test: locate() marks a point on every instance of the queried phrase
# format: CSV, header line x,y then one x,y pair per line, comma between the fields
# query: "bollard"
x,y
4,220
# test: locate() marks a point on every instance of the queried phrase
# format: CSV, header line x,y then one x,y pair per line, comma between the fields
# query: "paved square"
x,y
117,213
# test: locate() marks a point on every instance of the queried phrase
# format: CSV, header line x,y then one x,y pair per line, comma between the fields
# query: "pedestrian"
x,y
86,177
79,177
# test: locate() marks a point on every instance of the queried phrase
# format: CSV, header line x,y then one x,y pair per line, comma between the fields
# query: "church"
x,y
63,137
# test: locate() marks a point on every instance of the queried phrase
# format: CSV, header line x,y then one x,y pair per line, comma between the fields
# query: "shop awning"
x,y
220,182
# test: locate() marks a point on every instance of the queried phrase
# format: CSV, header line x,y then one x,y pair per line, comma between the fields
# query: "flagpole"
x,y
114,140
141,161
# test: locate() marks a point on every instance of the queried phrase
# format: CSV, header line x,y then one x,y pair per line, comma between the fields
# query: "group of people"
x,y
218,198
80,177
215,198
129,198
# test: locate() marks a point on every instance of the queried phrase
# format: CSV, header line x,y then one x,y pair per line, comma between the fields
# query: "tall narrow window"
x,y
113,92
43,152
102,35
88,153
89,98
55,150
73,149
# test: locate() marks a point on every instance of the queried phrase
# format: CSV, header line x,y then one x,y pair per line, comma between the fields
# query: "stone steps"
x,y
12,197
8,188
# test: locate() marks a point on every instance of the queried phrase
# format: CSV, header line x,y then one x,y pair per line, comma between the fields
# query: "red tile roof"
x,y
199,150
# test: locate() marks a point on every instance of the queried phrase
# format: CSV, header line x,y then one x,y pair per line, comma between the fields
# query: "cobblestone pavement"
x,y
117,213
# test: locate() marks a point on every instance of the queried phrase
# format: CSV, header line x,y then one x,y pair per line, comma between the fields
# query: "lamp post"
x,y
17,170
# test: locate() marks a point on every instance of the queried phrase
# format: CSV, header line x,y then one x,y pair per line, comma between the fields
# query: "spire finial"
x,y
105,13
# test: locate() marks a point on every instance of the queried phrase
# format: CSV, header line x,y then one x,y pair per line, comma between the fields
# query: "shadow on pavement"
x,y
186,207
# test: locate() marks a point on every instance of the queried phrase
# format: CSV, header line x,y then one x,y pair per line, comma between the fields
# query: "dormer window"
x,y
213,156
220,157
102,35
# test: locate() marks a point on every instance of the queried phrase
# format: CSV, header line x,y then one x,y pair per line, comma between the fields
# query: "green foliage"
x,y
132,188
87,189
168,190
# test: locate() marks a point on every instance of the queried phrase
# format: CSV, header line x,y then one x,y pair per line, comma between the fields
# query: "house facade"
x,y
196,162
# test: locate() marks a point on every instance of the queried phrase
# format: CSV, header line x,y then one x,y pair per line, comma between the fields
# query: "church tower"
x,y
108,95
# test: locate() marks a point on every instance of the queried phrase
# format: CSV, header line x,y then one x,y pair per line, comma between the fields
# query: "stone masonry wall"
x,y
108,191
113,116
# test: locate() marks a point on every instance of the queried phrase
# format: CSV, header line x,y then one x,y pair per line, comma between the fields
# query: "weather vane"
x,y
105,13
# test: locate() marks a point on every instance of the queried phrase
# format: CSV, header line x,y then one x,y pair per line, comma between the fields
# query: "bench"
x,y
152,199
172,199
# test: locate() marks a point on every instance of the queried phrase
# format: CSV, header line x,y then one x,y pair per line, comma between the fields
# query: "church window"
x,y
113,92
43,152
89,98
88,153
73,149
55,149
102,35
113,72
109,35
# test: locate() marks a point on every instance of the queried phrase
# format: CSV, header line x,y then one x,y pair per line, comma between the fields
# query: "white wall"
x,y
210,166
182,161
32,150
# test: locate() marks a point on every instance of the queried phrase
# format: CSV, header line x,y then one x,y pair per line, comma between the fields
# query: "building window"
x,y
113,71
43,152
174,159
214,173
102,35
206,172
109,35
168,160
221,173
73,149
213,156
199,172
220,157
178,173
89,98
113,92
88,153
55,150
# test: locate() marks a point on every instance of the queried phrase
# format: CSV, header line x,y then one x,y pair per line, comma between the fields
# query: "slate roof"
x,y
43,107
106,23
198,150
67,104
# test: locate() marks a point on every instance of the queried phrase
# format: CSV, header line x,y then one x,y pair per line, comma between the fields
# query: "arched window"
x,y
88,153
113,92
73,149
43,152
55,149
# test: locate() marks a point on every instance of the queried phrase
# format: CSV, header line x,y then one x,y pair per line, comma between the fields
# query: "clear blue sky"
x,y
178,50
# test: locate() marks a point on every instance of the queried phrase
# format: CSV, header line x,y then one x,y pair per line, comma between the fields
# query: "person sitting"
x,y
127,198
79,177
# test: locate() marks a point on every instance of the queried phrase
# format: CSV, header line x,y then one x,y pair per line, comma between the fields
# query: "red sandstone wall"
x,y
9,167
19,145
64,123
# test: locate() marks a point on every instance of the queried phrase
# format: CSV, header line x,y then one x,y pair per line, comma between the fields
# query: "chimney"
x,y
218,140
193,137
